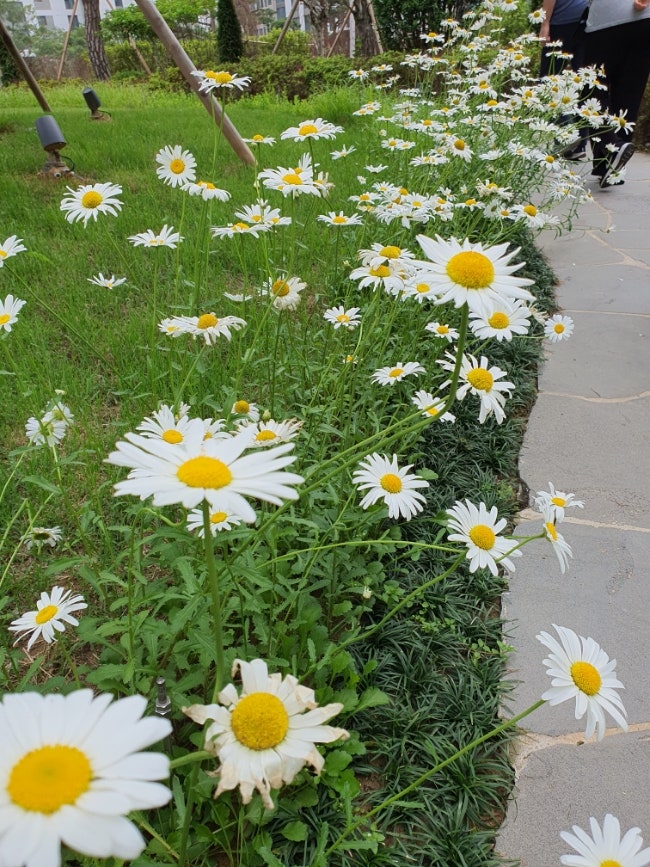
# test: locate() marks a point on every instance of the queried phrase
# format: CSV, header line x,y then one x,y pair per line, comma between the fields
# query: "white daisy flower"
x,y
106,282
339,317
167,237
375,169
259,139
420,289
340,219
266,734
9,310
358,74
532,216
431,406
471,274
243,407
53,611
441,329
73,768
312,129
389,276
36,537
210,80
383,479
560,545
479,530
176,166
205,469
558,328
504,321
165,425
285,292
396,373
90,200
580,669
208,326
239,228
11,247
218,521
46,430
554,502
290,181
344,152
480,379
262,214
605,848
270,433
206,190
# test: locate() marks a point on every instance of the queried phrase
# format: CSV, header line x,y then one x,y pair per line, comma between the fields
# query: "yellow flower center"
x,y
558,328
395,372
260,721
470,269
431,410
46,613
492,102
442,329
459,144
390,252
342,317
91,199
3,254
307,129
422,288
609,863
380,271
531,210
481,379
218,517
219,77
172,436
265,435
204,472
470,202
48,778
552,532
338,219
498,320
558,501
207,320
391,483
4,318
207,184
280,288
586,677
242,406
292,178
482,536
240,227
258,137
177,166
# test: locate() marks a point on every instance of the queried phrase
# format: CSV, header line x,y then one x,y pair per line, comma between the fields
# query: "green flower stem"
x,y
140,822
364,543
216,601
189,809
68,658
438,767
190,759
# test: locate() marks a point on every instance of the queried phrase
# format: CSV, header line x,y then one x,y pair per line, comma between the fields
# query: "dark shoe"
x,y
616,163
575,155
569,148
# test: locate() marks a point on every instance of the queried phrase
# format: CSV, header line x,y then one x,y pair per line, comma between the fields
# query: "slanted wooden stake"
x,y
25,70
186,67
66,41
285,26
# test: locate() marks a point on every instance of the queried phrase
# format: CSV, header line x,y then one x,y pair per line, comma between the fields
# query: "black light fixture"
x,y
93,102
52,141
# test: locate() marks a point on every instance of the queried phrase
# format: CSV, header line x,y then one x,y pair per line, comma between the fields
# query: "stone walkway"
x,y
589,434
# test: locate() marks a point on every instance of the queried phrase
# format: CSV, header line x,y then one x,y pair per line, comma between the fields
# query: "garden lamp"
x,y
52,141
93,102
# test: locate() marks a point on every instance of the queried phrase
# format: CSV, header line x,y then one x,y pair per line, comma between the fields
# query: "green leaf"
x,y
372,697
296,831
40,482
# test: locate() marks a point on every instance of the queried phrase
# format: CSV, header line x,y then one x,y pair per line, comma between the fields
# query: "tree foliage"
x,y
182,16
401,22
230,44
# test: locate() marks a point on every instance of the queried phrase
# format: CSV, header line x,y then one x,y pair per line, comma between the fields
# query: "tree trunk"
x,y
95,40
365,31
319,11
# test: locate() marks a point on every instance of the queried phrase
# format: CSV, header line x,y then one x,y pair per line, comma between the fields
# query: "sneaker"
x,y
616,163
576,154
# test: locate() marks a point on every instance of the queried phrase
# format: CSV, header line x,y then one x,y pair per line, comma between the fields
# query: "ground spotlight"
x,y
52,141
93,102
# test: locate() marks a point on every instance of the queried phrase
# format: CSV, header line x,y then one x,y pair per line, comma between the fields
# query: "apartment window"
x,y
119,4
69,4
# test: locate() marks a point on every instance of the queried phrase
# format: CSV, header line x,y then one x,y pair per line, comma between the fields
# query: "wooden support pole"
x,y
375,29
339,32
186,67
64,50
25,70
285,26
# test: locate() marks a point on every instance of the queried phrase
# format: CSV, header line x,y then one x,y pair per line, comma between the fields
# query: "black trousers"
x,y
572,37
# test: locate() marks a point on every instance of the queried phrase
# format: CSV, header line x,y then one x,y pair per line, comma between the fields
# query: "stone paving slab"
x,y
564,784
614,288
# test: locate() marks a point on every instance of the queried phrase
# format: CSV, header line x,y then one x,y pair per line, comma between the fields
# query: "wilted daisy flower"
x,y
205,469
46,430
504,321
9,310
482,380
312,129
560,545
11,247
383,479
218,521
106,282
342,318
558,328
90,200
207,191
479,530
431,406
53,611
344,152
391,375
176,166
580,669
441,329
37,537
269,433
471,274
210,80
71,773
554,502
259,139
267,733
285,292
605,848
243,407
166,238
340,219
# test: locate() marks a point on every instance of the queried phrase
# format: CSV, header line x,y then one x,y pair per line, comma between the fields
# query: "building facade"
x,y
58,13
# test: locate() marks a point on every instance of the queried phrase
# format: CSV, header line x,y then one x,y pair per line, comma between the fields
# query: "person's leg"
x,y
631,68
602,48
